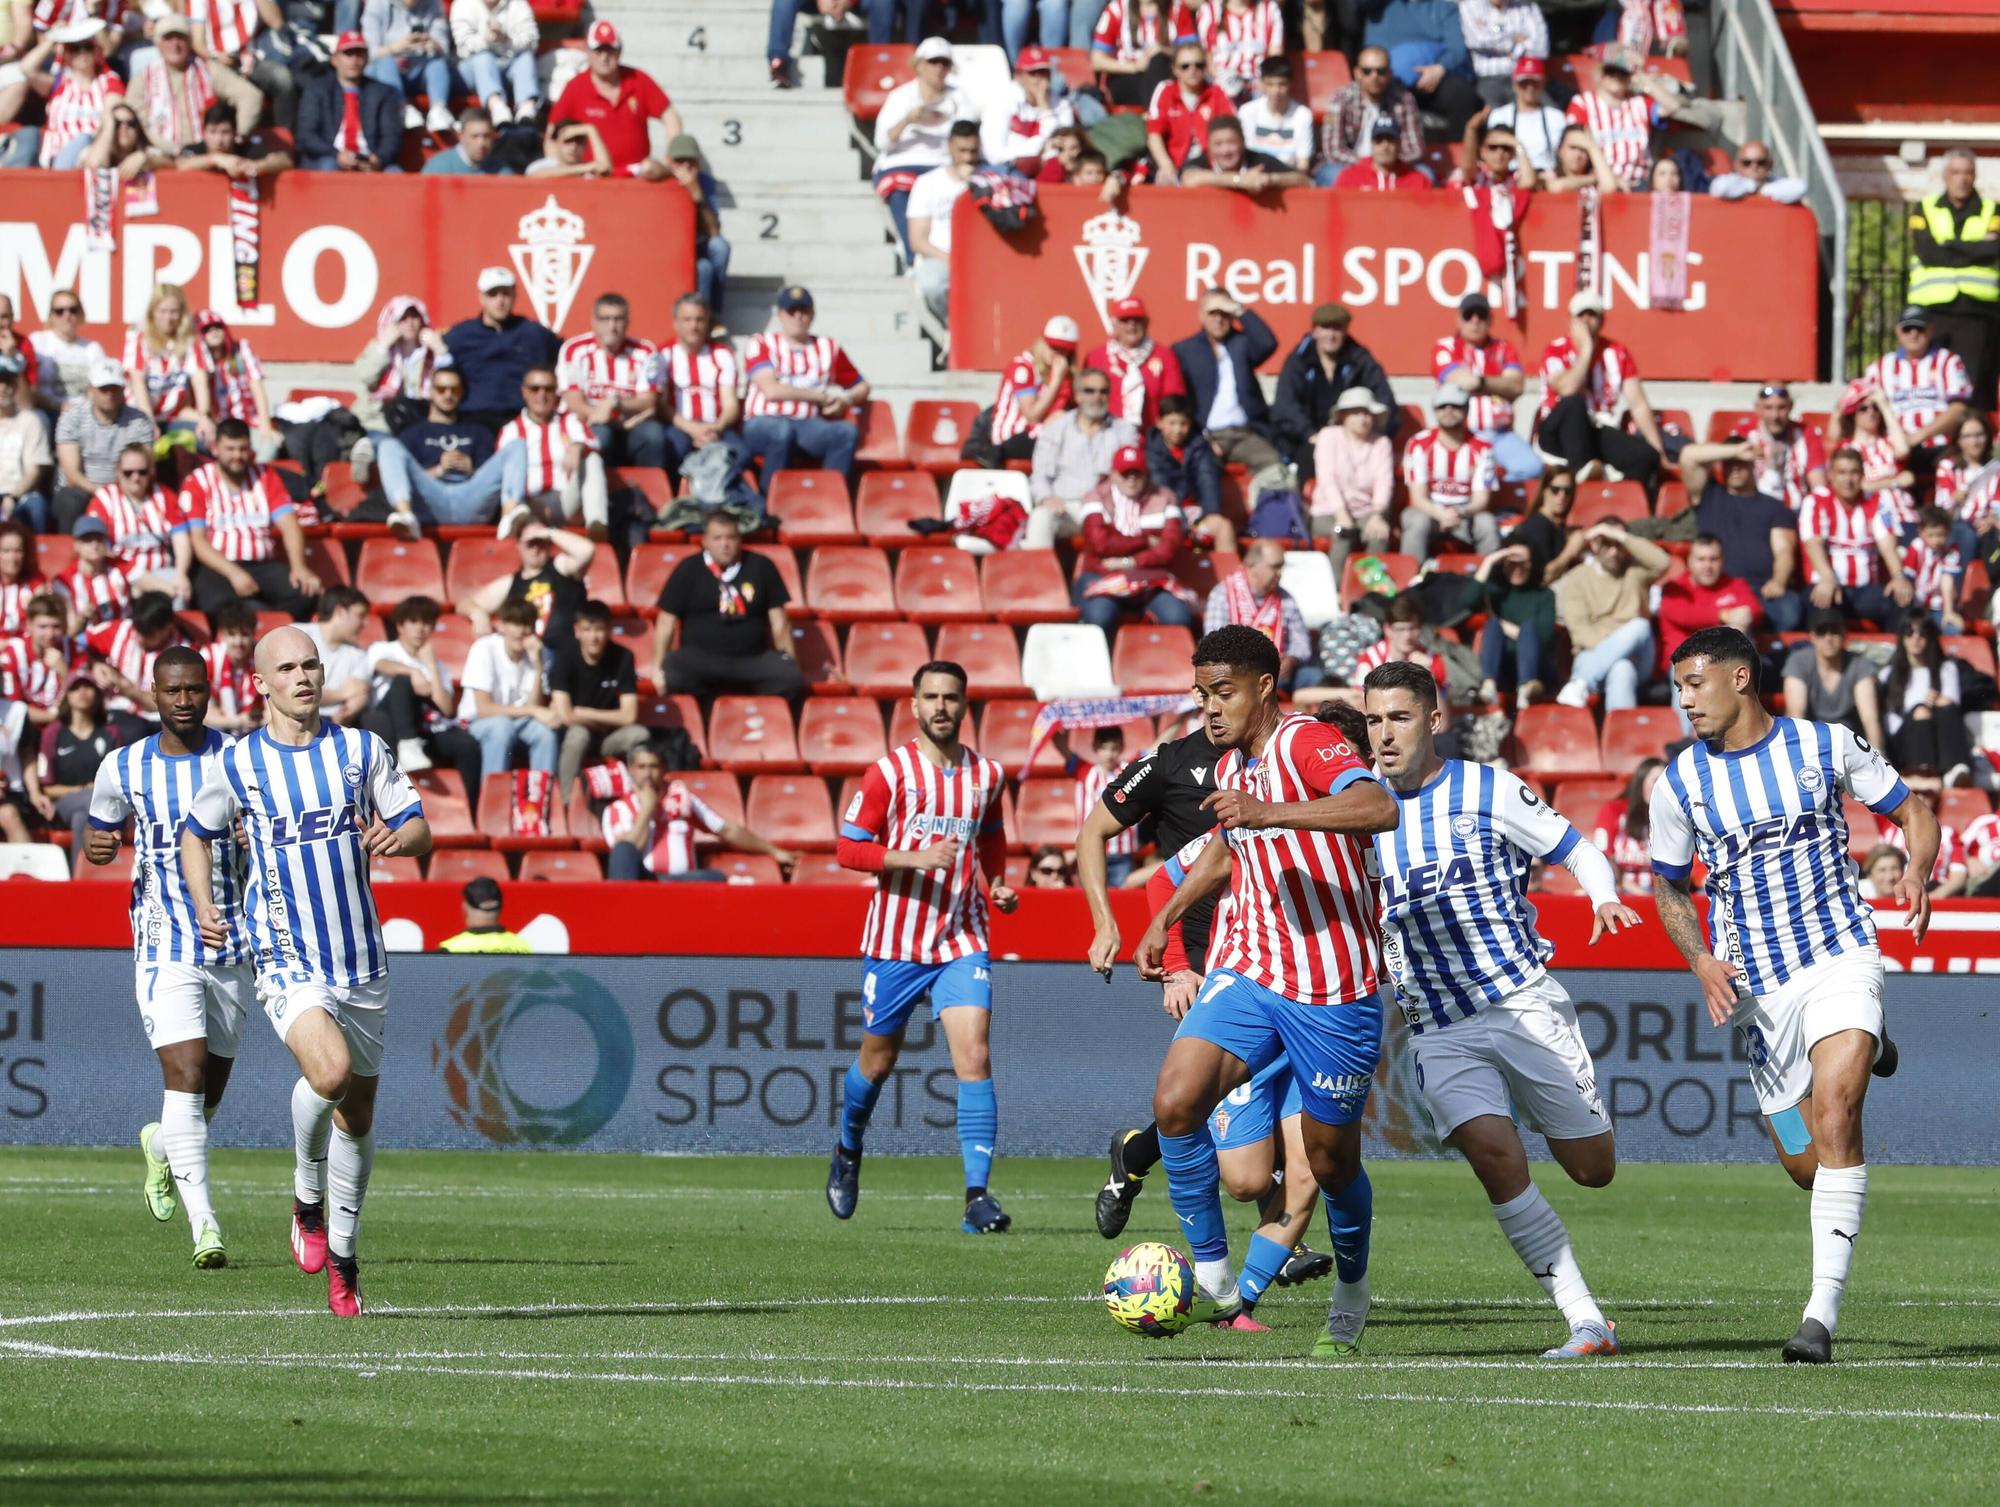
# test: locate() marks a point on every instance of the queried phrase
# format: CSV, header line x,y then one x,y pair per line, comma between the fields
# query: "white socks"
x,y
1537,1234
350,1161
1216,1279
312,1119
1839,1194
1350,1297
183,1141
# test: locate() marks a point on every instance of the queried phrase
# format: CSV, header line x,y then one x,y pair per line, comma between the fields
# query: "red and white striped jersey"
x,y
30,677
1879,464
103,597
587,367
1611,366
238,517
232,25
75,111
1788,459
906,803
1493,359
1376,655
1239,41
554,449
1934,574
1982,840
232,686
117,644
232,383
49,14
169,376
1849,530
667,845
1128,44
1092,780
1951,852
1631,856
1922,389
1018,383
1623,129
816,361
1302,904
14,599
1453,473
697,380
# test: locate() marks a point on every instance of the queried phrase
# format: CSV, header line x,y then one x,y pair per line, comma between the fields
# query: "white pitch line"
x,y
370,1368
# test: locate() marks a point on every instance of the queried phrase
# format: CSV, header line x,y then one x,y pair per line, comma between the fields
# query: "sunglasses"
x,y
1051,870
538,387
1772,391
1555,491
1498,146
1190,67
66,308
139,475
1371,72
1753,161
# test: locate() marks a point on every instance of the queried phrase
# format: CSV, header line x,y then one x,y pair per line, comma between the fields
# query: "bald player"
x,y
316,800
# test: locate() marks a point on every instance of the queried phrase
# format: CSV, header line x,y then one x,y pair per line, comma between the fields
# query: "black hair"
x,y
1276,66
1091,154
1931,657
1237,646
949,667
1225,123
1353,725
964,128
417,609
151,612
1707,539
1176,403
178,654
219,114
1111,732
1933,517
233,429
1723,646
1404,608
1401,675
235,613
339,599
611,301
592,611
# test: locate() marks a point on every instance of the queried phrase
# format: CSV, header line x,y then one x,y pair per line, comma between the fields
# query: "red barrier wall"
x,y
337,246
1400,262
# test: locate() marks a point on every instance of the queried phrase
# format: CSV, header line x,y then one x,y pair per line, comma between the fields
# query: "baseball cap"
x,y
1061,331
208,319
491,278
1914,317
604,37
794,299
1129,458
1474,303
482,893
350,41
1587,302
1449,395
170,25
1033,60
1619,58
88,525
933,48
107,372
684,148
1530,68
1385,126
1129,308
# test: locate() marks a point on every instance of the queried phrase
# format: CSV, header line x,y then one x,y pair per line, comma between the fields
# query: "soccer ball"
x,y
1150,1290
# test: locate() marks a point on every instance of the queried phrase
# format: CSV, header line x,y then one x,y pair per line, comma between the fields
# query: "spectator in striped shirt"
x,y
701,380
1585,380
236,382
138,516
1626,107
1851,554
247,38
95,588
1490,371
25,456
89,436
612,383
235,704
803,393
1925,383
1093,777
245,531
77,93
1936,570
549,464
1449,471
168,368
651,831
1034,387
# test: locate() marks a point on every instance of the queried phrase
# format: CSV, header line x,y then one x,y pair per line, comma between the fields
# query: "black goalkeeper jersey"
x,y
1161,794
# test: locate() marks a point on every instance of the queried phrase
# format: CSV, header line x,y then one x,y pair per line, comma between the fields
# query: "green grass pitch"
x,y
586,1329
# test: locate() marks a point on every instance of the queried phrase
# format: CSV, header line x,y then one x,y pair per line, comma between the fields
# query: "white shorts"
x,y
1780,1028
361,1012
1521,1056
183,1002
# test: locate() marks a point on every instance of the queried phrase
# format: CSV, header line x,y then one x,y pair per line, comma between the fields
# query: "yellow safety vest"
x,y
1940,285
484,941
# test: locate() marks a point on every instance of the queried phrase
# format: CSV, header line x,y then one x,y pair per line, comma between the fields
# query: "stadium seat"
x,y
745,868
394,868
1578,70
632,632
841,735
850,584
327,559
447,810
1402,570
1074,64
391,569
889,500
991,657
934,432
824,868
1975,651
119,870
496,821
1308,576
752,733
342,493
1066,659
786,563
1599,500
645,574
1552,739
720,789
1960,808
1672,421
816,647
972,484
1317,77
55,553
1006,728
453,639
1201,572
1045,812
1578,801
1673,499
1635,733
571,867
792,811
460,866
871,72
474,562
1152,660
880,448
582,818
1722,420
902,722
812,507
1863,830
682,712
648,481
882,656
1026,586
939,586
602,580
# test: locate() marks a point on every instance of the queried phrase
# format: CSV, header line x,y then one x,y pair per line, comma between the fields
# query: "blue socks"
x,y
1266,1259
1349,1214
857,1103
1194,1185
978,1128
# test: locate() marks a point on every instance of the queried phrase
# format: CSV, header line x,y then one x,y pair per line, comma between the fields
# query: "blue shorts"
x,y
890,989
1252,1110
1333,1048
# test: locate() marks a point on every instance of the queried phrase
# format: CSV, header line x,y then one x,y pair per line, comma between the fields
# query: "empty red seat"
x,y
1598,500
1317,78
991,657
889,500
1151,660
751,733
745,868
460,866
849,584
647,571
678,711
393,868
391,569
1722,420
1636,733
881,448
1402,570
648,481
632,632
936,431
816,647
902,722
786,563
1556,739
446,809
571,867
473,563
1863,830
881,657
602,581
792,811
1201,572
939,586
824,868
869,75
1673,498
1045,812
119,870
496,816
1005,731
1673,421
841,735
1074,64
1026,586
1959,808
812,507
1975,651
326,557
342,494
453,639
1579,800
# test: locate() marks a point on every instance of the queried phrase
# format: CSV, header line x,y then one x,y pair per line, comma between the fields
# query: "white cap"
x,y
107,371
1587,302
77,31
933,47
494,277
1061,330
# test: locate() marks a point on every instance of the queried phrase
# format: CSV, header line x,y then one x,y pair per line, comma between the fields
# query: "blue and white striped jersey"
x,y
1457,929
157,790
311,914
1767,821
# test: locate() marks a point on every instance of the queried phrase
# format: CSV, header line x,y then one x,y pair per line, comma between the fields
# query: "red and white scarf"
x,y
174,114
1128,367
531,802
1267,616
730,601
1671,213
1496,237
1589,242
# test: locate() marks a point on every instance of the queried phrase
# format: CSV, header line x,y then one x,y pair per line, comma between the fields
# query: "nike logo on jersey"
x,y
1850,1239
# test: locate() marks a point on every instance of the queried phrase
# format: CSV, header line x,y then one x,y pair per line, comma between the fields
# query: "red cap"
x,y
1129,458
1129,308
350,41
208,319
1033,60
604,34
1530,68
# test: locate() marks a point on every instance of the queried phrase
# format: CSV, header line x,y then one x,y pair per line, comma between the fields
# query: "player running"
x,y
1295,971
316,801
1491,1033
1795,966
192,993
927,819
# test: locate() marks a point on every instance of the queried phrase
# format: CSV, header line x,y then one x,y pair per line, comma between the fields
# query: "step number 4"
x,y
698,39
